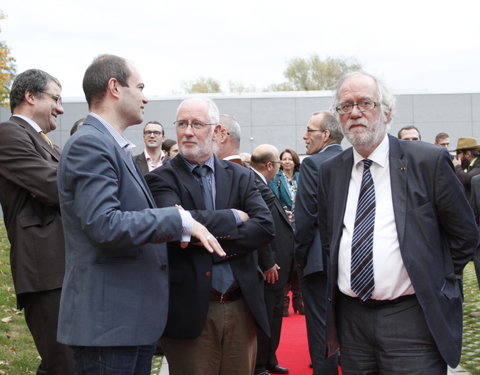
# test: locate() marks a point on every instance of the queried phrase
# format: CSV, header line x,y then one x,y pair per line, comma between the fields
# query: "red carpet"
x,y
292,352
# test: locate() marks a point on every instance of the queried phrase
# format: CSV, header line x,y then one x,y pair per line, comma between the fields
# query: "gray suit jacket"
x,y
28,193
308,247
436,230
115,291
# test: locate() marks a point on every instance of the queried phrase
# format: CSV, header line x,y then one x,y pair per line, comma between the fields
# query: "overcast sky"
x,y
414,46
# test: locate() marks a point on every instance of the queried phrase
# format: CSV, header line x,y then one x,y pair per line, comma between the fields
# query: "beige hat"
x,y
466,143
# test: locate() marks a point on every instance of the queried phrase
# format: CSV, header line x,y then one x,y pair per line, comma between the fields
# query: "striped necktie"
x,y
362,281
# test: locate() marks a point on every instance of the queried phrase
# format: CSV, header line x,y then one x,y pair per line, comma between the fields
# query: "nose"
x,y
356,113
60,109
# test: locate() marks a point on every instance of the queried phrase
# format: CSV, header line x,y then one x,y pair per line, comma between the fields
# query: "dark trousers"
x,y
314,291
267,346
116,360
389,339
41,315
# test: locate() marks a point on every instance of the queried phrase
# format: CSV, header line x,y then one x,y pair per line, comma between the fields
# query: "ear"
x,y
113,87
29,97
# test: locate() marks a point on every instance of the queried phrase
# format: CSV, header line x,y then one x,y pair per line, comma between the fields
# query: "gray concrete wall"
x,y
280,118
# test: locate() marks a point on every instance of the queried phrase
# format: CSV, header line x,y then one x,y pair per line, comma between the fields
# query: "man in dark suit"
x,y
396,260
475,201
153,156
215,304
115,295
322,140
274,259
28,193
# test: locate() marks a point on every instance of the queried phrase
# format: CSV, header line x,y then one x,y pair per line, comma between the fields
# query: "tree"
x,y
202,85
314,74
7,70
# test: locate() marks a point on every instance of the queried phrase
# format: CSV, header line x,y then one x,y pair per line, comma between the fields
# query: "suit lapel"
x,y
398,181
189,183
343,173
54,151
130,164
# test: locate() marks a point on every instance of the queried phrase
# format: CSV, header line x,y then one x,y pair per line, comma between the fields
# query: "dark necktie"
x,y
201,171
362,282
222,275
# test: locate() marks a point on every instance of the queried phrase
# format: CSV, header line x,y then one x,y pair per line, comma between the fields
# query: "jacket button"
x,y
208,274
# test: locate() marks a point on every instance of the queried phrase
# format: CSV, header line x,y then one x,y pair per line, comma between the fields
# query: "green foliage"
x,y
7,70
202,85
316,74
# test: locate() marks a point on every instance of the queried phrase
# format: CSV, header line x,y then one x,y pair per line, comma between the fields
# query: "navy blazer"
x,y
308,247
190,268
115,291
436,230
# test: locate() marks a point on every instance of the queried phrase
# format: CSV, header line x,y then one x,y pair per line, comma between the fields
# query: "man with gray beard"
x,y
399,233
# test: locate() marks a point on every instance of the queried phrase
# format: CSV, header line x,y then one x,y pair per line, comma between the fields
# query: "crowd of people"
x,y
191,247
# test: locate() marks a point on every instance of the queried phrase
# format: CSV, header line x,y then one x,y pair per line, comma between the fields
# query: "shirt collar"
x,y
260,175
378,156
30,122
121,140
210,163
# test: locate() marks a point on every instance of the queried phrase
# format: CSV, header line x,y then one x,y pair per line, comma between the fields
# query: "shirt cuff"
x,y
237,217
187,225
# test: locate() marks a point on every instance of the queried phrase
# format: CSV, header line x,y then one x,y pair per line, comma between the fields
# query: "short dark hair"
x,y
156,123
441,136
76,125
167,144
100,71
34,80
409,127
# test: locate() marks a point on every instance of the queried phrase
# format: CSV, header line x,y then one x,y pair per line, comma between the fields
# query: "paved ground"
x,y
160,367
471,331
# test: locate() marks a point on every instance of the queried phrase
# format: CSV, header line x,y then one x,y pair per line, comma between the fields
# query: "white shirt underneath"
x,y
390,275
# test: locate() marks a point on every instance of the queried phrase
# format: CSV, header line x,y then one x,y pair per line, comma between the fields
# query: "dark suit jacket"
x,y
115,291
308,247
191,268
436,232
475,197
28,193
466,177
141,162
280,250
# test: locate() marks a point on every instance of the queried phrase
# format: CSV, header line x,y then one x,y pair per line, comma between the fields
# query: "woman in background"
x,y
284,185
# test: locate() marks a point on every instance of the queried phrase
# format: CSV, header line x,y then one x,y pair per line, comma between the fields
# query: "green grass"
x,y
18,355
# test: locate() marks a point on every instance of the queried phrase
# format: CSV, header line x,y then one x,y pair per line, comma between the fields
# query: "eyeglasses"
x,y
154,132
363,106
275,162
197,125
314,130
57,98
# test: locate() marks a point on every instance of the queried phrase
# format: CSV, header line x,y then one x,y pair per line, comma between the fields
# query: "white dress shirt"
x,y
390,275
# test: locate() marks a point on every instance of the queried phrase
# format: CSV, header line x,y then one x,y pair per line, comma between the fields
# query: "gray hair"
x,y
232,126
330,123
385,97
213,112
